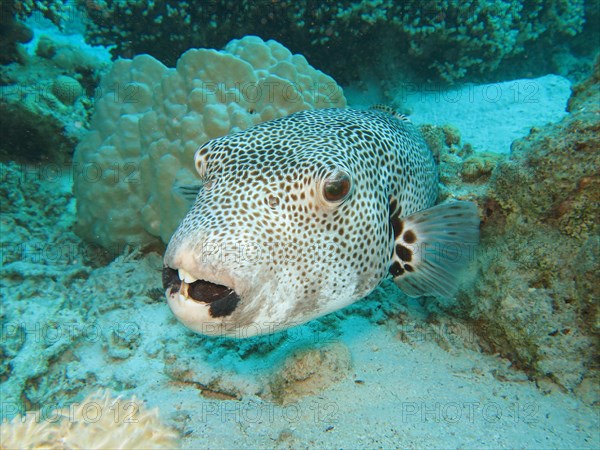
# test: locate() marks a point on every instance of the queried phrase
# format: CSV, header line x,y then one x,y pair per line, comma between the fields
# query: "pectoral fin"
x,y
188,191
433,247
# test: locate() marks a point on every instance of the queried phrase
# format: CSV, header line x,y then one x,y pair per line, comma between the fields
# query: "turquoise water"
x,y
98,169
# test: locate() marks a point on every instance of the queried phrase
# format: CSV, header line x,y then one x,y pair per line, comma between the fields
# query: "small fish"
x,y
301,216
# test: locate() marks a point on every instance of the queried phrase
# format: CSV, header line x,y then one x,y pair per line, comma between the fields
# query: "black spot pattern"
x,y
396,269
409,237
170,279
267,192
224,306
403,253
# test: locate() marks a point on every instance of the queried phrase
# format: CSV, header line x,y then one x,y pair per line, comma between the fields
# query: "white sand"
x,y
489,117
413,394
413,383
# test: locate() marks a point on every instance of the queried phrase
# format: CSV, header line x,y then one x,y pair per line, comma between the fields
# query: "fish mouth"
x,y
180,286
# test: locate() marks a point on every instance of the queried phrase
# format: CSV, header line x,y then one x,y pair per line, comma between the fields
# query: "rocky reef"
x,y
46,92
448,40
535,297
14,32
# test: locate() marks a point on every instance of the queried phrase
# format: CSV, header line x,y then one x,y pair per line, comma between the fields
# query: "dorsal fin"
x,y
391,111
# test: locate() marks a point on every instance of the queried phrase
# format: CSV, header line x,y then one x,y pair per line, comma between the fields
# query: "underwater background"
x,y
102,106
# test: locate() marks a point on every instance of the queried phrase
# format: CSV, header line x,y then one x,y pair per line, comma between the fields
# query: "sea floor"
x,y
385,372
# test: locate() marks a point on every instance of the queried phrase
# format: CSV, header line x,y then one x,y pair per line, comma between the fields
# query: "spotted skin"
x,y
261,226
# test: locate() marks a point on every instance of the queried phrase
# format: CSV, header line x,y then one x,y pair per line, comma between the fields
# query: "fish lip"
x,y
170,279
202,291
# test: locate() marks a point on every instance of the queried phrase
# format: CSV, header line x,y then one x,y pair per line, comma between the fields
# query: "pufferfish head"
x,y
290,222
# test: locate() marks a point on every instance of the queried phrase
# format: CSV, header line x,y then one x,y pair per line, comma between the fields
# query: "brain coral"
x,y
150,119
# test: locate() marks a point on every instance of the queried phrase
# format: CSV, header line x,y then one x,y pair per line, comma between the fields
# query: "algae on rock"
x,y
535,299
46,100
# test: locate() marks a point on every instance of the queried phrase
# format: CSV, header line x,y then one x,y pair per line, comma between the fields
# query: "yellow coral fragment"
x,y
99,422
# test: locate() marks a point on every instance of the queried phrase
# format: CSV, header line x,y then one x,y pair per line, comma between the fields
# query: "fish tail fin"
x,y
433,246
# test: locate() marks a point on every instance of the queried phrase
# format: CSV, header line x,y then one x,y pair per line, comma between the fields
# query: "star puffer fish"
x,y
303,215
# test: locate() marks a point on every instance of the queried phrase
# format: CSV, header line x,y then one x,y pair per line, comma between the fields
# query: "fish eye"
x,y
336,187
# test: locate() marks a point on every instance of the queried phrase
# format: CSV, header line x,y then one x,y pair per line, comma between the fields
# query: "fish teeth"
x,y
186,277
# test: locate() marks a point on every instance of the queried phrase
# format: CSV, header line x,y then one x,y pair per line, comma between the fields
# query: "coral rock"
x,y
536,297
150,120
99,421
